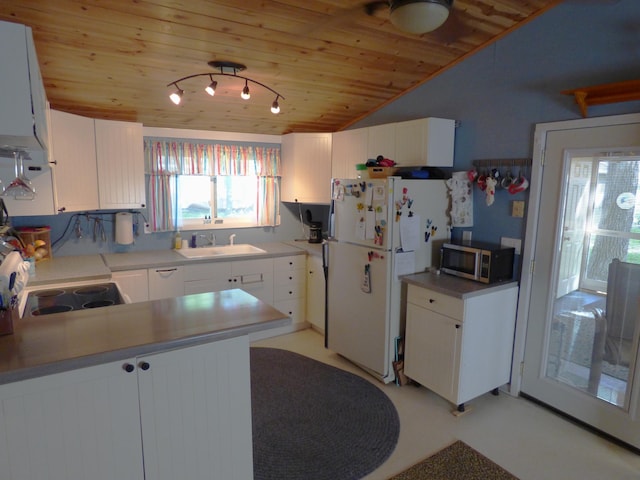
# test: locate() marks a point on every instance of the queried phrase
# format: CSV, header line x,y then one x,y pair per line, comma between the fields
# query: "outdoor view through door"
x,y
594,332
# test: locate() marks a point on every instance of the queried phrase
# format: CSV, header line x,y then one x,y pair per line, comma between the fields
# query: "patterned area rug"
x,y
456,462
312,421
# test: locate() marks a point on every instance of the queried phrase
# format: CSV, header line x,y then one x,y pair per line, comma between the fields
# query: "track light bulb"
x,y
275,107
211,88
176,96
246,95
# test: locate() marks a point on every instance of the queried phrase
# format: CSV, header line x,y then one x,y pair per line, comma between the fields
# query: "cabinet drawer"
x,y
284,292
292,262
436,302
286,277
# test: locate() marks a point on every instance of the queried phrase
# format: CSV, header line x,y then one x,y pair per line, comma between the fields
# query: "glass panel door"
x,y
583,302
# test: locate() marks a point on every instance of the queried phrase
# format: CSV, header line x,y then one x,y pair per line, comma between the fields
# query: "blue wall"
x,y
501,92
497,95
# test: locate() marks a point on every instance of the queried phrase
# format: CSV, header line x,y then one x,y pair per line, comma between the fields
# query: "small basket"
x,y
29,235
381,172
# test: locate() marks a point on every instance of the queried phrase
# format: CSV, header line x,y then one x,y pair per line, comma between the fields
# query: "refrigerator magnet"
x,y
366,279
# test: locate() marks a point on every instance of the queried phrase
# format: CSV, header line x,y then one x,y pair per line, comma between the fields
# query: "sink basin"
x,y
220,250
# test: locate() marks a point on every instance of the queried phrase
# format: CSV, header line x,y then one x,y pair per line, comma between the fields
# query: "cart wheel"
x,y
461,407
495,391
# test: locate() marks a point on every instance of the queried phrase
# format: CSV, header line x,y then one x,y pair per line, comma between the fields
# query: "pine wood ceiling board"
x,y
120,44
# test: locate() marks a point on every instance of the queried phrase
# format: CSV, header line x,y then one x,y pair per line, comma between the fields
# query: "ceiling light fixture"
x,y
227,69
419,16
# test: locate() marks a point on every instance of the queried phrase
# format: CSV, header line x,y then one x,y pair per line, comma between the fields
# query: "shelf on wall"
x,y
606,93
501,162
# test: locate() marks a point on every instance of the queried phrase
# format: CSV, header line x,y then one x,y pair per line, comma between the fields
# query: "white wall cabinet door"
x,y
195,406
73,150
348,148
425,142
207,277
120,159
165,282
381,140
133,283
315,292
306,168
77,425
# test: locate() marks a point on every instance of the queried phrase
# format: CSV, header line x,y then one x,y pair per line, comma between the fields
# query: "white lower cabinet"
x,y
315,292
133,283
460,348
190,408
290,279
165,282
252,276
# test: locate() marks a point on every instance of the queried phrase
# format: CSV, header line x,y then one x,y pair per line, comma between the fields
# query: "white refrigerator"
x,y
380,229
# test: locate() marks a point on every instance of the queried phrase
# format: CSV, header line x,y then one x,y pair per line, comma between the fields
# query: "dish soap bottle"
x,y
177,241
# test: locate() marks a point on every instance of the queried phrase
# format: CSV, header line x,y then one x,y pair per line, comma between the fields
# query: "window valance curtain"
x,y
165,159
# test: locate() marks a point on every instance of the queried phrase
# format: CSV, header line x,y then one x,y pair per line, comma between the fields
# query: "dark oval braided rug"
x,y
312,421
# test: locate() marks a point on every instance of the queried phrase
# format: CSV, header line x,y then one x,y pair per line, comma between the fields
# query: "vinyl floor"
x,y
528,440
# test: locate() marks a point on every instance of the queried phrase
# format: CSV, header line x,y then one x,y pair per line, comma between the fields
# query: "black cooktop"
x,y
66,299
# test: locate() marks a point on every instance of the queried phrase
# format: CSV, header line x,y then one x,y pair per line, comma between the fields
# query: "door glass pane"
x,y
593,337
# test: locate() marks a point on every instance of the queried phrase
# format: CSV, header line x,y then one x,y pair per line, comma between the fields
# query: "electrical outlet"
x,y
517,208
147,228
511,242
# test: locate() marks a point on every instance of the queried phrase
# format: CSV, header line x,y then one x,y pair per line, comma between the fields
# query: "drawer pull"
x,y
431,300
144,366
128,367
458,325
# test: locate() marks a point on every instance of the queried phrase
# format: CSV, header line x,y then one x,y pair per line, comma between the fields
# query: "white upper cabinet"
x,y
426,142
348,148
23,103
381,141
120,159
73,152
306,168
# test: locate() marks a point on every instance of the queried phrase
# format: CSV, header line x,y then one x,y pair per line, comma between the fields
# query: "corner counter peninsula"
x,y
80,392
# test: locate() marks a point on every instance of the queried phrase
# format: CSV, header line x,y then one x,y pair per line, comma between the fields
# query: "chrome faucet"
x,y
232,238
211,239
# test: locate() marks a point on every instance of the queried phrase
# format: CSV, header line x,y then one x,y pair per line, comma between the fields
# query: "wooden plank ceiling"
x,y
333,63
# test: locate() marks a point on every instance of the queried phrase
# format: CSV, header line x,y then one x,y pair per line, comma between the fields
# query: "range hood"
x,y
23,103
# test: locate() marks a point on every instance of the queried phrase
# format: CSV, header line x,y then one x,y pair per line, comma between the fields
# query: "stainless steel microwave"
x,y
482,262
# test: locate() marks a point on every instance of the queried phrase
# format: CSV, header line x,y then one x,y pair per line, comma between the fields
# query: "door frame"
x,y
533,213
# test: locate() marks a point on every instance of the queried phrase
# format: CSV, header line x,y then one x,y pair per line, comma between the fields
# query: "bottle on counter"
x,y
177,241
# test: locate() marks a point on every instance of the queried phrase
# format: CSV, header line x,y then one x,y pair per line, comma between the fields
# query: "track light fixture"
x,y
227,69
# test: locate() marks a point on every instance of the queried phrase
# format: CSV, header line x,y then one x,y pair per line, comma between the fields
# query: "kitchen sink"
x,y
220,250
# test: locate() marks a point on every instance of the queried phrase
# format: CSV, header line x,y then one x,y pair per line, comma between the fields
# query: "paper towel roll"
x,y
124,228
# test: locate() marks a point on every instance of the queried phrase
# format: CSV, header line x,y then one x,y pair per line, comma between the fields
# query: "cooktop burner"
x,y
57,300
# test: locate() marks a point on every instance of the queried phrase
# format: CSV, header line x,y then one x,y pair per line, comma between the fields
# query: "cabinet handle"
x,y
62,209
431,300
290,278
166,270
144,366
128,367
458,325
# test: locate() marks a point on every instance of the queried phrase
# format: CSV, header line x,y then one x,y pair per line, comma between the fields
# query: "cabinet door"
x,y
432,351
306,168
425,142
77,425
195,406
120,158
254,277
382,141
165,282
73,149
315,292
348,148
133,283
207,277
